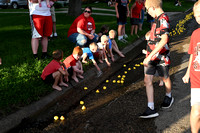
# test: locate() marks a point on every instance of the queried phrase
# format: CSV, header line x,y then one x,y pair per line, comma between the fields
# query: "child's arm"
x,y
187,74
95,64
159,46
128,12
116,9
106,59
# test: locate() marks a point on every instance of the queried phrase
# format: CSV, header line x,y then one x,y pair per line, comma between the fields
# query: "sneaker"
x,y
167,102
125,36
51,35
123,40
55,35
149,113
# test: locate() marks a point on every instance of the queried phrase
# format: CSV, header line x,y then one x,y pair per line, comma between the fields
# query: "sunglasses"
x,y
87,11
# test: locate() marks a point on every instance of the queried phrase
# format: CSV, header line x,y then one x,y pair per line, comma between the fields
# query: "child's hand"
x,y
186,78
108,63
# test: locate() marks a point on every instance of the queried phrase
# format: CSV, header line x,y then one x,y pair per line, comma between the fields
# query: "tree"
x,y
75,7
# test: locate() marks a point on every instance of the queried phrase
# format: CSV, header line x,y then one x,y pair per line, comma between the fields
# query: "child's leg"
x,y
80,67
120,32
111,55
74,77
101,56
136,29
61,81
123,30
132,28
84,58
116,49
56,75
195,118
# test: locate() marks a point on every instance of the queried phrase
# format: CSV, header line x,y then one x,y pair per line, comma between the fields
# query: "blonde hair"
x,y
153,3
57,55
93,44
78,50
196,5
104,37
112,32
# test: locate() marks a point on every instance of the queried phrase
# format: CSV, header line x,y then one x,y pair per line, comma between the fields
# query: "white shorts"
x,y
195,96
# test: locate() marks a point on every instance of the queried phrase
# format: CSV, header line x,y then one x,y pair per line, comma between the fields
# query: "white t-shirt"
x,y
36,10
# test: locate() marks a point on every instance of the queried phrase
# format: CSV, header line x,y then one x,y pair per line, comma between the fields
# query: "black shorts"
x,y
163,70
122,20
49,79
70,71
134,21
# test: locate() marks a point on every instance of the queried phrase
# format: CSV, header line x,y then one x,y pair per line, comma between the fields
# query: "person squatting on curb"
x,y
193,73
53,72
82,30
157,57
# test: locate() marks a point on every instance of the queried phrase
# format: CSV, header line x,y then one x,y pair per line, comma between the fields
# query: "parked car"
x,y
13,3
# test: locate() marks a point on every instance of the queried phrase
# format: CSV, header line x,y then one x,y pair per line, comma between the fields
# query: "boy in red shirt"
x,y
54,72
73,64
193,72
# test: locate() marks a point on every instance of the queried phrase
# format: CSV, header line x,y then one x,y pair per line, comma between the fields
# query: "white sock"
x,y
151,105
120,37
169,94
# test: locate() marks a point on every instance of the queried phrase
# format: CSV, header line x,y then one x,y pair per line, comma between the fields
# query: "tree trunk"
x,y
75,7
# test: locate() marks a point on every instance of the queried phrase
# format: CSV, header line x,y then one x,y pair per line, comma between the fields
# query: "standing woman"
x,y
122,12
82,30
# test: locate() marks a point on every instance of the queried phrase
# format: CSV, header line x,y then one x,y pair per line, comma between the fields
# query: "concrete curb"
x,y
34,109
75,95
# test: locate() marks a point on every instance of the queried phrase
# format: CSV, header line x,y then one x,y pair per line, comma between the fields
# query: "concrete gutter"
x,y
75,91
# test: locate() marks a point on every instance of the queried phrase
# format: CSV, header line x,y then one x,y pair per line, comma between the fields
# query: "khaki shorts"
x,y
195,96
53,15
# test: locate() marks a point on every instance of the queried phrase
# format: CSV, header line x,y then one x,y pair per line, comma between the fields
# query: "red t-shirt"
x,y
136,10
70,61
194,49
52,67
86,24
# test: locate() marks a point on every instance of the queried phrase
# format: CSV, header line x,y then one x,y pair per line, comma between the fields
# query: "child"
x,y
74,65
47,1
53,72
103,48
88,53
193,72
104,30
112,42
147,37
135,16
157,57
122,12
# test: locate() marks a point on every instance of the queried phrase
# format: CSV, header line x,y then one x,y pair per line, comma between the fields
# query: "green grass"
x,y
20,82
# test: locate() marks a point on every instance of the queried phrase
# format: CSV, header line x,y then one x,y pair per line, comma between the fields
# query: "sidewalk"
x,y
74,91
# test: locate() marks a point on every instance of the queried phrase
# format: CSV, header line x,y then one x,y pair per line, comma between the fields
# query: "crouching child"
x,y
53,72
73,64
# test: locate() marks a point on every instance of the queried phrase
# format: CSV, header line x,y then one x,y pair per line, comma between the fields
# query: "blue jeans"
x,y
81,40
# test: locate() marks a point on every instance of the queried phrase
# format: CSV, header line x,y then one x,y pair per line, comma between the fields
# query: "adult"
x,y
41,22
82,30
